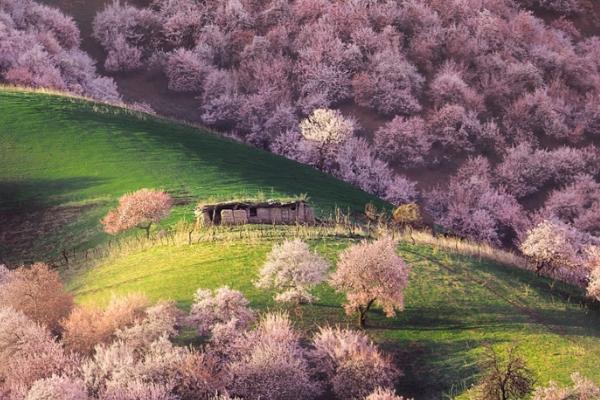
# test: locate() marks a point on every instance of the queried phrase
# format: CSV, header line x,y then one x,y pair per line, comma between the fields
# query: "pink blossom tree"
x,y
88,325
185,71
369,274
138,209
404,141
39,48
593,264
392,85
28,353
293,270
37,292
357,164
350,363
471,207
577,204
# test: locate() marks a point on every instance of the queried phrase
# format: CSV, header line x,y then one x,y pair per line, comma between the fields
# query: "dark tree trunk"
x,y
147,229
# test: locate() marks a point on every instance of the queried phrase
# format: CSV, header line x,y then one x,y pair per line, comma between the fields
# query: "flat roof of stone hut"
x,y
250,203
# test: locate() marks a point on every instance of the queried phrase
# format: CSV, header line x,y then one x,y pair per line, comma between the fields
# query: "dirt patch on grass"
x,y
25,233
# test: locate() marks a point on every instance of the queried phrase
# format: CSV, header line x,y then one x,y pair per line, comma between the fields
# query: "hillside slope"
x,y
454,306
64,162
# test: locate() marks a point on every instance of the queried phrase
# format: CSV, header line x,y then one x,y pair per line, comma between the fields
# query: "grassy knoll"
x,y
454,305
64,162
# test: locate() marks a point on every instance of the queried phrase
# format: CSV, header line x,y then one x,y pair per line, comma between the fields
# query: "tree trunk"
x,y
147,229
362,313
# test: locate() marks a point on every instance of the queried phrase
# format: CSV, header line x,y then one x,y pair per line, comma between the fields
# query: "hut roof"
x,y
268,203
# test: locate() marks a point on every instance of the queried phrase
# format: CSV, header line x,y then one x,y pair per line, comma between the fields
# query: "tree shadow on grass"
x,y
434,369
34,223
31,194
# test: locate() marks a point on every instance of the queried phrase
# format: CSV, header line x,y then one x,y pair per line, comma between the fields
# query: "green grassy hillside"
x,y
454,305
64,162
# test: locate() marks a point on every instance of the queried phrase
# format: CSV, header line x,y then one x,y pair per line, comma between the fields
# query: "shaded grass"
x,y
454,304
60,151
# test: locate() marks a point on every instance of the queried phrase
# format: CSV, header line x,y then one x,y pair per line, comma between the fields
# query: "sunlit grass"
x,y
67,152
454,304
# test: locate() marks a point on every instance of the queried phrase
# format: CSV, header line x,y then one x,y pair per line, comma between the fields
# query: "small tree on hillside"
x,y
407,216
293,270
371,273
505,378
327,129
38,293
139,209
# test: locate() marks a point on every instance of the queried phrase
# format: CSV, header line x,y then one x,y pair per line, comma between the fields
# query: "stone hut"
x,y
255,212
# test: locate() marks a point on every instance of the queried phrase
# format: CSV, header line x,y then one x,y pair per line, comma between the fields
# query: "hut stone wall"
x,y
239,214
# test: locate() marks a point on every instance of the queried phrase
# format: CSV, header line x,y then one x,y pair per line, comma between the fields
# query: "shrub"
x,y
383,394
37,292
582,389
58,388
293,270
371,273
139,209
350,363
408,215
504,378
28,353
271,364
220,306
88,326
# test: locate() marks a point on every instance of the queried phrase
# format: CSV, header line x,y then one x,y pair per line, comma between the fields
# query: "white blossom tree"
x,y
293,270
327,129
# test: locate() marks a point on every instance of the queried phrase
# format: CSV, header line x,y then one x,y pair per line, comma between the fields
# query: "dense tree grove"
x,y
124,351
39,47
